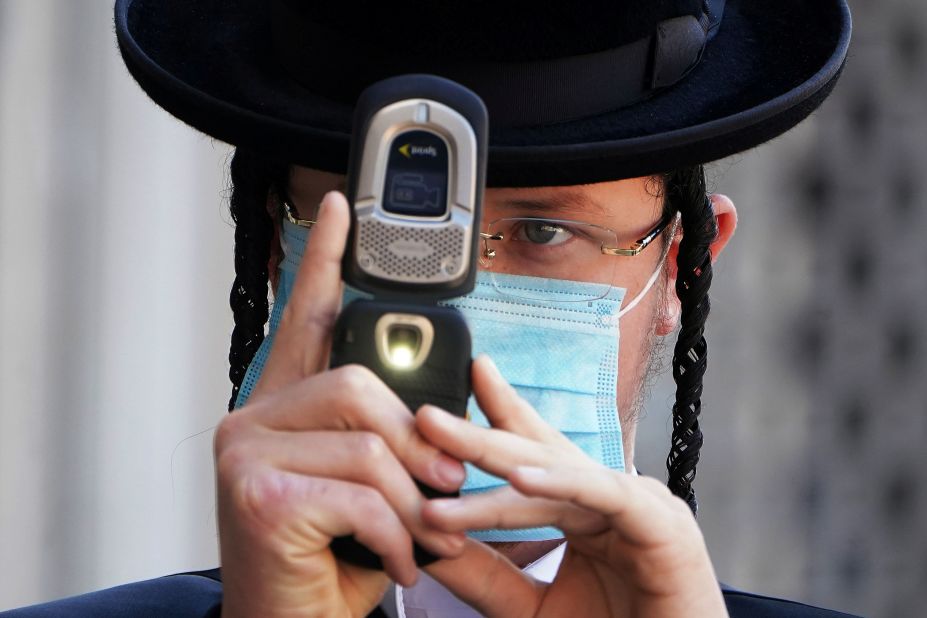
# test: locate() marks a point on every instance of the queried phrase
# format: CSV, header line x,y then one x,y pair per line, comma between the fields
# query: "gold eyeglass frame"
x,y
635,249
293,216
489,253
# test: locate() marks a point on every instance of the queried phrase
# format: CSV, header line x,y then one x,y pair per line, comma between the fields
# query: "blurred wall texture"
x,y
115,264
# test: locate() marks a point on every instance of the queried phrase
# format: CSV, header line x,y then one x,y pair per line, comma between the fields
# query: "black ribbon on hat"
x,y
515,93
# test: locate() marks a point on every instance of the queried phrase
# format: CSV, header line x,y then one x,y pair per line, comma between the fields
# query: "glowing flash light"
x,y
403,344
401,356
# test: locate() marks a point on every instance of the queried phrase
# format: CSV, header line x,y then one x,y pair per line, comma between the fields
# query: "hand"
x,y
317,454
633,549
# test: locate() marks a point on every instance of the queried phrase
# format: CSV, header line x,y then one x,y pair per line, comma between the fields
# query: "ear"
x,y
726,220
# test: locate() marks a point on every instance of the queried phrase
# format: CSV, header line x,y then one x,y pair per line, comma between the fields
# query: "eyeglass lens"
x,y
550,249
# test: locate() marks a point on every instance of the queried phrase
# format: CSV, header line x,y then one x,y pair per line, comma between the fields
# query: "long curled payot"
x,y
686,191
252,179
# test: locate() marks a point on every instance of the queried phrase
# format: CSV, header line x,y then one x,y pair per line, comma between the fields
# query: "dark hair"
x,y
686,192
254,179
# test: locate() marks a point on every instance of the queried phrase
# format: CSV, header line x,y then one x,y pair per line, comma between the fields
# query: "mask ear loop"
x,y
656,273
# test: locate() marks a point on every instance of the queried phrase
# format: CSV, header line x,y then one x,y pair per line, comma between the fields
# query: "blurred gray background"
x,y
115,265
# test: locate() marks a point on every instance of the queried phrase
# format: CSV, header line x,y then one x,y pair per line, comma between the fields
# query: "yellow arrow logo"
x,y
404,149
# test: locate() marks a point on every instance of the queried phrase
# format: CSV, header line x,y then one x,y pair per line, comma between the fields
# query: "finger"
x,y
507,509
296,517
303,338
357,457
493,450
641,509
487,581
349,398
502,405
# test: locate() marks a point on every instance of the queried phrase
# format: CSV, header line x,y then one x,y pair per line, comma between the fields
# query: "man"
x,y
601,116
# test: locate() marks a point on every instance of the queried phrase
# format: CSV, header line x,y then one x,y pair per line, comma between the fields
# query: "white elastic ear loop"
x,y
655,275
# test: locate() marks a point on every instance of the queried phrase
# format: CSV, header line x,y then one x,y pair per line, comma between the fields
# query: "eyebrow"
x,y
575,201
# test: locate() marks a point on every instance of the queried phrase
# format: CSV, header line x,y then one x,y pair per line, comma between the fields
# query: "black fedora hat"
x,y
577,92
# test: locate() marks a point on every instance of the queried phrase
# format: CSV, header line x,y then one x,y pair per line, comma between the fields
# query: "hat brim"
x,y
771,64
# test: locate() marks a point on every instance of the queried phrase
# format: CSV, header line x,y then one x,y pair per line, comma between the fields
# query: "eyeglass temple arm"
x,y
489,252
641,244
293,216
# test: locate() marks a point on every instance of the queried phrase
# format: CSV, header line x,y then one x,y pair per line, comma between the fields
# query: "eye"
x,y
542,232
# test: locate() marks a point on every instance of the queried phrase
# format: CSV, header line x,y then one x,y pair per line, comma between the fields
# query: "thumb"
x,y
487,581
302,342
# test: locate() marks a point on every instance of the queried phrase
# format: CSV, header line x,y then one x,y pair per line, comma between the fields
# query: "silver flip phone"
x,y
416,178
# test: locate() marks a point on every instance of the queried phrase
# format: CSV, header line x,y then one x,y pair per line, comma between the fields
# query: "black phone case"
x,y
374,98
442,380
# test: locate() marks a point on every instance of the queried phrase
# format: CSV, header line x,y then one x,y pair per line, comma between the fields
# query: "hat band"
x,y
515,93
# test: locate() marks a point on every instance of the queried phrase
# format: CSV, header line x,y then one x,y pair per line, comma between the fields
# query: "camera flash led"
x,y
403,340
401,357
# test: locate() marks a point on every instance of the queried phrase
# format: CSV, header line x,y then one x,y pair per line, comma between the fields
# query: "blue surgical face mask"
x,y
561,357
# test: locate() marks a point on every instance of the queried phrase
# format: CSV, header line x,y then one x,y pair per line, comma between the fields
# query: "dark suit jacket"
x,y
199,595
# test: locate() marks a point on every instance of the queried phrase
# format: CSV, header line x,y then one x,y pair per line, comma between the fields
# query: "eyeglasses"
x,y
550,249
559,249
293,216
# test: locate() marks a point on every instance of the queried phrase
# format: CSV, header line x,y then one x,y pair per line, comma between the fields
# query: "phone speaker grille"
x,y
410,253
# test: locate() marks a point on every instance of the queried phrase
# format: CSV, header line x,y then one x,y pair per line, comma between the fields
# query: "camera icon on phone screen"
x,y
411,192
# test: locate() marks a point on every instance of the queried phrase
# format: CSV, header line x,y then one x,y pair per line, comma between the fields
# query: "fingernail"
x,y
323,206
411,579
456,541
450,471
490,362
531,472
445,505
452,545
440,416
494,370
